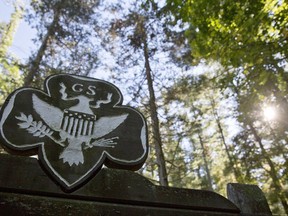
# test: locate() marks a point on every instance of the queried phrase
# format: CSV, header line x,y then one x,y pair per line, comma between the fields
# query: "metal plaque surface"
x,y
76,125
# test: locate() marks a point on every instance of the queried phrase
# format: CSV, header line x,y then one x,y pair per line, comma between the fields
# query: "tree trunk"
x,y
163,178
206,163
232,163
35,64
272,172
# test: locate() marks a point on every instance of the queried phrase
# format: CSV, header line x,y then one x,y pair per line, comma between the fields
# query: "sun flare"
x,y
269,113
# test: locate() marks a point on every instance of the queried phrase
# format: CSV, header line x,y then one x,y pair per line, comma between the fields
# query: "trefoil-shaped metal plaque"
x,y
76,125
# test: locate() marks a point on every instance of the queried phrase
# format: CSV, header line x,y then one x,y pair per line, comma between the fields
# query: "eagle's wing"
x,y
51,115
105,125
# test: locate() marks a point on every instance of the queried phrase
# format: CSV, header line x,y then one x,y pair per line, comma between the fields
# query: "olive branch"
x,y
37,129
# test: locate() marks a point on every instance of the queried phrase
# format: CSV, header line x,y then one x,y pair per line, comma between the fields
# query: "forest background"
x,y
211,78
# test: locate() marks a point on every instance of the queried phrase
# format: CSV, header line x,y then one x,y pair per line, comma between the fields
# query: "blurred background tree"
x,y
10,77
249,40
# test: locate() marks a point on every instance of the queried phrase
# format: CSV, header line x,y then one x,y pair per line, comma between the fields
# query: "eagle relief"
x,y
75,125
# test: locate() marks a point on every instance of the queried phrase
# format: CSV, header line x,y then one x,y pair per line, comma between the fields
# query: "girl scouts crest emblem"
x,y
76,125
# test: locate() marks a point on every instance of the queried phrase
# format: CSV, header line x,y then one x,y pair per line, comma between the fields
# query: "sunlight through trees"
x,y
211,79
